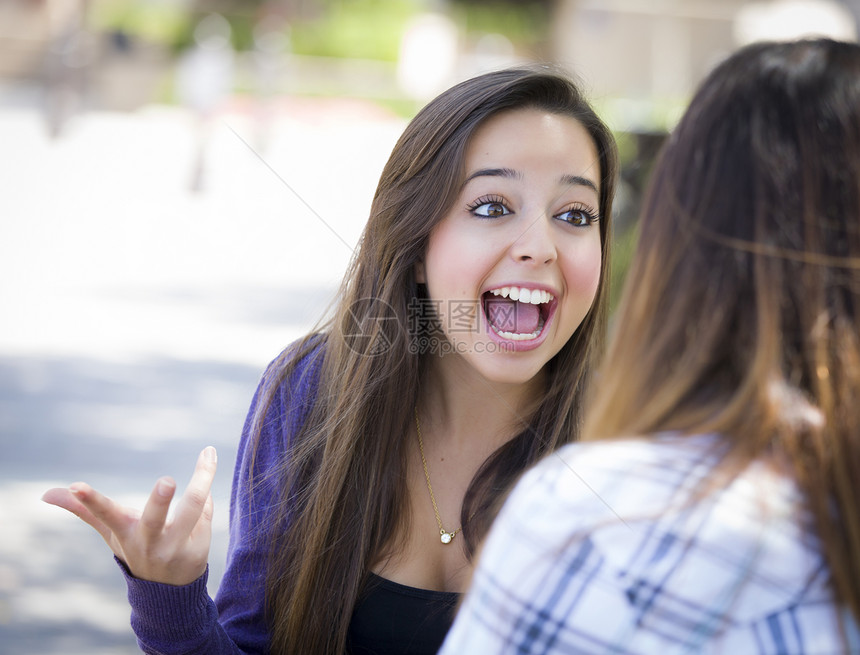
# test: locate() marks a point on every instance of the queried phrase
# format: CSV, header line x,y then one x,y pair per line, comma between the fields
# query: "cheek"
x,y
584,273
457,258
443,249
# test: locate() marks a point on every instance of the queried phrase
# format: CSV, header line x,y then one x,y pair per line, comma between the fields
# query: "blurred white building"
x,y
641,57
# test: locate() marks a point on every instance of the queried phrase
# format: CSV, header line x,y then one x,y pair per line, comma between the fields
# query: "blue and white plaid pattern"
x,y
610,548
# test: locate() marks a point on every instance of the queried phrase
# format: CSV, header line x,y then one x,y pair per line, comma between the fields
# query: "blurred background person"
x,y
204,79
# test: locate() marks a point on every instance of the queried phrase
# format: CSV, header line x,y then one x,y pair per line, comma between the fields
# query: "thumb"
x,y
65,499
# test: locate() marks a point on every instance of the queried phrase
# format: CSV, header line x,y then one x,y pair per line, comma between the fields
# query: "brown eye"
x,y
578,216
490,210
495,209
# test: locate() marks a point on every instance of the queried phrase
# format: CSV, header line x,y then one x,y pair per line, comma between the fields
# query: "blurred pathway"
x,y
136,317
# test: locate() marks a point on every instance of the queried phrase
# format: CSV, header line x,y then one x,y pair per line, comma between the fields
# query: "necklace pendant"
x,y
446,537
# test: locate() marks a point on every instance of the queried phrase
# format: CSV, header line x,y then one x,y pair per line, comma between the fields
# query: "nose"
x,y
536,243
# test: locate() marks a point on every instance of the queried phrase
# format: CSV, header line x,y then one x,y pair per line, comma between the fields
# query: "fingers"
x,y
209,509
65,499
153,548
196,497
203,530
113,517
154,514
62,498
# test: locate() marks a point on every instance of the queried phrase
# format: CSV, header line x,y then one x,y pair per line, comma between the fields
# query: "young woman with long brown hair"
x,y
376,447
714,506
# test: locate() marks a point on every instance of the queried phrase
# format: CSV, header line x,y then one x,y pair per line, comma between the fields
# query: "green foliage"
x,y
367,29
627,150
157,22
623,247
524,23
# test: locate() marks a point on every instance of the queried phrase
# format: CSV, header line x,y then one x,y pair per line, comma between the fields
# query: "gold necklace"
x,y
446,537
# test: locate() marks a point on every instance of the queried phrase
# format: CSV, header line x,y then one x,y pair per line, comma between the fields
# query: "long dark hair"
x,y
344,477
741,316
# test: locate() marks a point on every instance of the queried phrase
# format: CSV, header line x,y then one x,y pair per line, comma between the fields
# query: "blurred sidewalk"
x,y
136,316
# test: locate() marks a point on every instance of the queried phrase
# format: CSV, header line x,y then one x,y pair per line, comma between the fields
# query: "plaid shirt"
x,y
605,547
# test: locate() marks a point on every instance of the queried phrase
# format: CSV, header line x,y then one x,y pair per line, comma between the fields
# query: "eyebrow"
x,y
578,180
494,172
571,180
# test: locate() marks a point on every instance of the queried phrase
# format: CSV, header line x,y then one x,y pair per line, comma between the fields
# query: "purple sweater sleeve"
x,y
171,620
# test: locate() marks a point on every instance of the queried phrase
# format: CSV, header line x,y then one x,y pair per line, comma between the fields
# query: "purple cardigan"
x,y
171,620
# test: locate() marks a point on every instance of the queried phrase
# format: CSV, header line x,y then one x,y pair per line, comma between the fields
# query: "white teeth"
x,y
513,336
524,294
516,336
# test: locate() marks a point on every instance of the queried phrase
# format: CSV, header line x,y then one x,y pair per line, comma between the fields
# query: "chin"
x,y
509,371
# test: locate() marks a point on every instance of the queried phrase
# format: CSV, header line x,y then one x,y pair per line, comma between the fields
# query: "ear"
x,y
420,276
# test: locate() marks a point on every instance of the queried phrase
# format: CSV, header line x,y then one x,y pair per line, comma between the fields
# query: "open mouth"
x,y
517,313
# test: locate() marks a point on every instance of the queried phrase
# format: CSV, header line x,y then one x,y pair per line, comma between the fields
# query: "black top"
x,y
393,619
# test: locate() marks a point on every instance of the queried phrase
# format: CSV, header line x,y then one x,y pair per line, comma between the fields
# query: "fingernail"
x,y
77,488
164,488
210,454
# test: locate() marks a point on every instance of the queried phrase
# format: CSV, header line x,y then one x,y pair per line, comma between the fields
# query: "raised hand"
x,y
154,548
